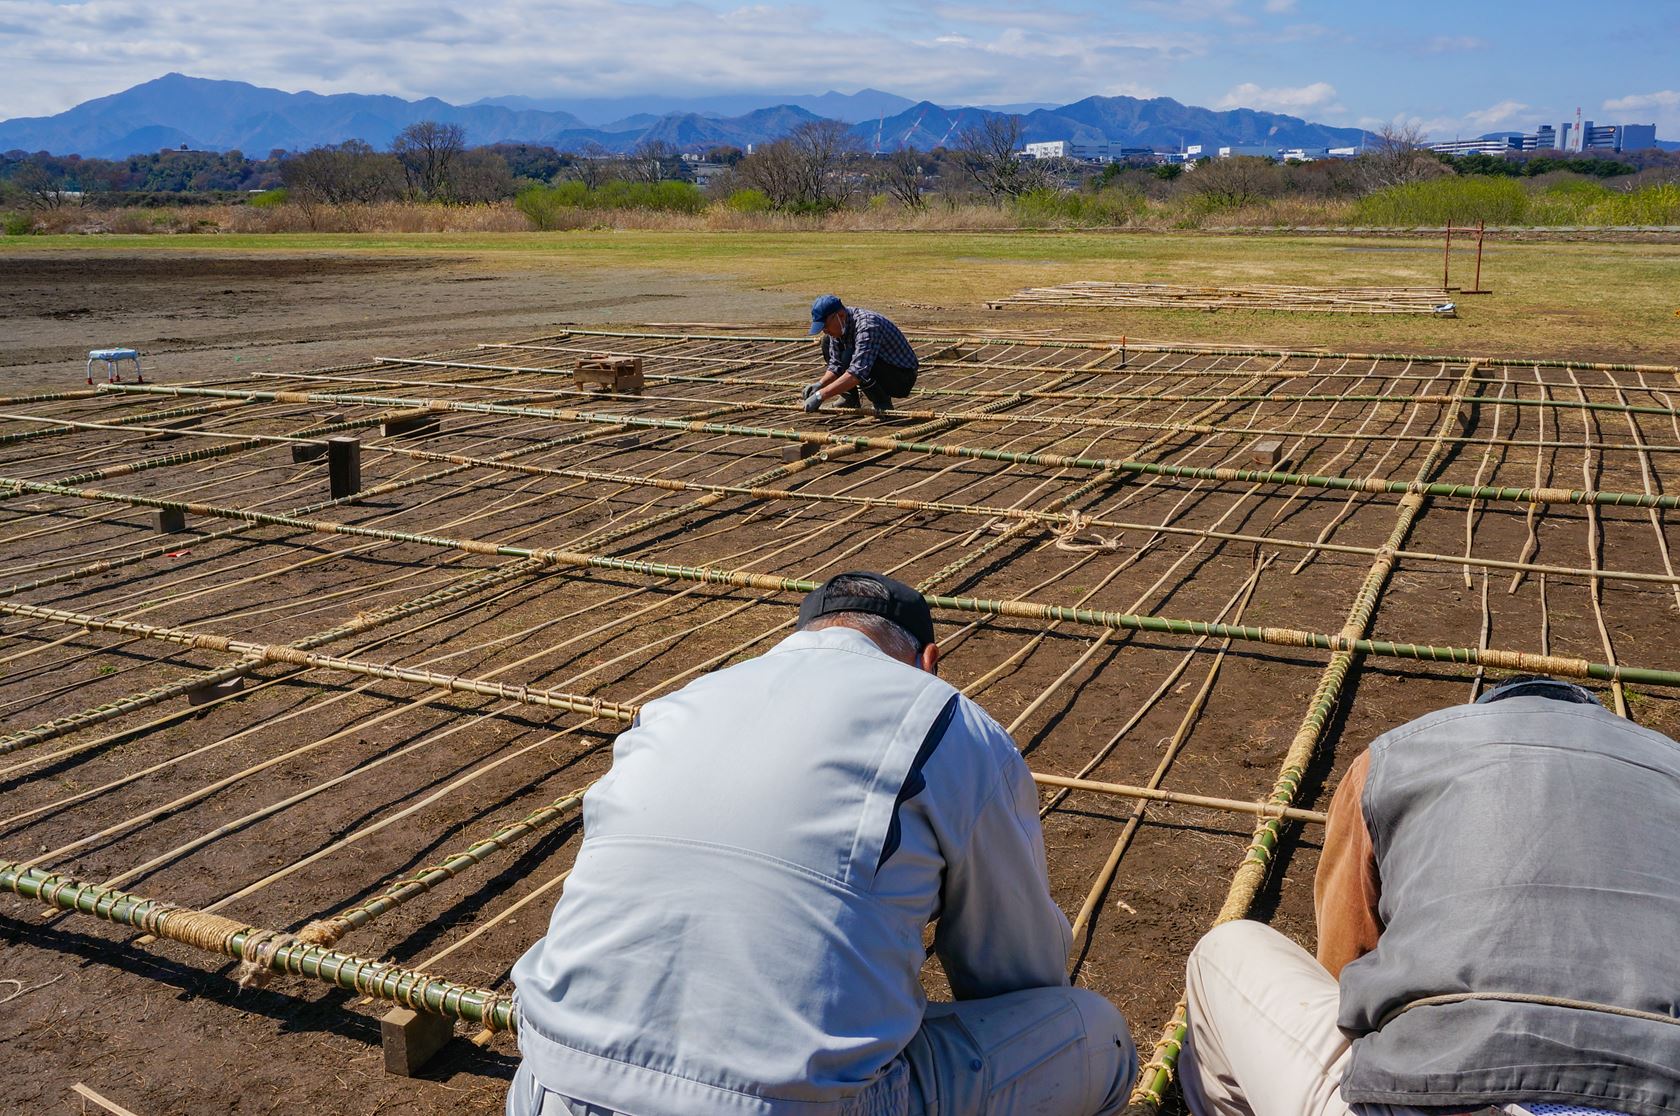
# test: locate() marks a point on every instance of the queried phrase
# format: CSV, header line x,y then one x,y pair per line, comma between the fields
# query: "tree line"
x,y
816,168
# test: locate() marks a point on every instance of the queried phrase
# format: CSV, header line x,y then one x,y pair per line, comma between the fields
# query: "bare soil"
x,y
159,1027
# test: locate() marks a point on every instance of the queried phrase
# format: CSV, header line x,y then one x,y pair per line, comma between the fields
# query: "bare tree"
x,y
773,169
480,175
426,149
901,176
651,161
986,151
1397,154
342,174
41,187
594,166
823,147
1239,180
805,170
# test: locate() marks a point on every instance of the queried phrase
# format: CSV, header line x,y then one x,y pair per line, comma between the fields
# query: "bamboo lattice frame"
x,y
1117,578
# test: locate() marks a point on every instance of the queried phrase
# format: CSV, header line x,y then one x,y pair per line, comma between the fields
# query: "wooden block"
x,y
799,451
1268,453
169,521
620,375
308,451
204,695
344,467
409,422
410,1039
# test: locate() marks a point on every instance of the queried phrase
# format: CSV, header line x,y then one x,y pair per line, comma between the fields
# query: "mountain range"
x,y
204,114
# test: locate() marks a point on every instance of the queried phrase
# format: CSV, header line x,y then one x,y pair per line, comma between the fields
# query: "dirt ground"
x,y
159,1027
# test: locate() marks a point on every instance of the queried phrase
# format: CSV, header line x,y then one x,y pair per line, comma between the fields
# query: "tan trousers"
x,y
1042,1051
1262,1037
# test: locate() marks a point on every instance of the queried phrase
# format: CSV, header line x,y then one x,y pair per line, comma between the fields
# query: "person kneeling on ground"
x,y
1498,896
861,349
742,931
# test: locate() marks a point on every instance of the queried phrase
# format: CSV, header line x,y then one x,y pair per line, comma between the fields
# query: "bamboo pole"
x,y
1024,394
1306,480
1156,794
1196,350
264,949
1251,873
1521,661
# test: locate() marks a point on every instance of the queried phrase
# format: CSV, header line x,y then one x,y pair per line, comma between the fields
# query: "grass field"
x,y
1588,300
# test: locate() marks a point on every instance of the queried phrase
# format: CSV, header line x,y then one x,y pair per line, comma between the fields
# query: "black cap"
x,y
1538,685
902,605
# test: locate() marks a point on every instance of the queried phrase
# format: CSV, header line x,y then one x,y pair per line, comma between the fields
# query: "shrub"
x,y
748,201
17,224
268,199
1441,201
1653,205
543,205
1103,207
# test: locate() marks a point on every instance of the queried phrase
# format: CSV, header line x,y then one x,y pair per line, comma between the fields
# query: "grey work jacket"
x,y
1526,848
742,932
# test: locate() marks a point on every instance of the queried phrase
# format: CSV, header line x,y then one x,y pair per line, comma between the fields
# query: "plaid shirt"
x,y
869,337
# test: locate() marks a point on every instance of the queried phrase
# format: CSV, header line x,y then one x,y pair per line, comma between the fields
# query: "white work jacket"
x,y
742,932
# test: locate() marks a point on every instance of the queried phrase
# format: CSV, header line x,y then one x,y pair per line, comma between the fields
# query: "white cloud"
x,y
1667,100
1319,96
64,53
1278,7
1661,108
1498,116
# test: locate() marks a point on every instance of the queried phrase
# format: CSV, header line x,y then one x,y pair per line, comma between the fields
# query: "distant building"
x,y
1567,137
1479,146
1084,152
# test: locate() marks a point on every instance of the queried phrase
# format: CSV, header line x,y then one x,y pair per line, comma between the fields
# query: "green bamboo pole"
x,y
1310,397
308,660
1154,347
1024,394
48,397
1257,860
61,426
109,711
1523,661
264,949
1250,476
756,488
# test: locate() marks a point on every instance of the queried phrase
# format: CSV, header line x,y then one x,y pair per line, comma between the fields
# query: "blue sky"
x,y
1455,68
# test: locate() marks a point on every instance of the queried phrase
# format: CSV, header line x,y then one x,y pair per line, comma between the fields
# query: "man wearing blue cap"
x,y
862,349
742,933
1496,906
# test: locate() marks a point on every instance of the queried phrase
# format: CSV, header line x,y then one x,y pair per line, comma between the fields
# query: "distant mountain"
x,y
611,112
924,126
229,115
1159,122
223,115
1163,122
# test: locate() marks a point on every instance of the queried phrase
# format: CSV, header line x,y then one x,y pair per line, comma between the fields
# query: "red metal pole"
x,y
1446,260
1481,231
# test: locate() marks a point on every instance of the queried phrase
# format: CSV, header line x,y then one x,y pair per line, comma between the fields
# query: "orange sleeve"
x,y
1347,888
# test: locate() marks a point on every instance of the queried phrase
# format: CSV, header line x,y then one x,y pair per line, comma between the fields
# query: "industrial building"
x,y
1571,136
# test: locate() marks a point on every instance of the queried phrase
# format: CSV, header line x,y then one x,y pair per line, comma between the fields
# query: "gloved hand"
x,y
813,398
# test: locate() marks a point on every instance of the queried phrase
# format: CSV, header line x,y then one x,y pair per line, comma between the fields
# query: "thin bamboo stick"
x,y
1251,873
1195,350
1523,661
1567,496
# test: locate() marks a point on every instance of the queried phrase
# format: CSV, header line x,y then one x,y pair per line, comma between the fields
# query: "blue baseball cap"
x,y
822,308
